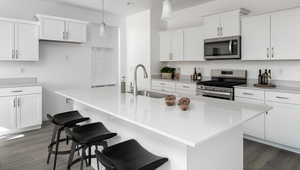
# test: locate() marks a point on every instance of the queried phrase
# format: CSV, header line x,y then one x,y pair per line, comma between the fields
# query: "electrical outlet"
x,y
22,70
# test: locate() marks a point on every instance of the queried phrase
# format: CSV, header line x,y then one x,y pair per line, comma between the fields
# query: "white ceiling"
x,y
121,7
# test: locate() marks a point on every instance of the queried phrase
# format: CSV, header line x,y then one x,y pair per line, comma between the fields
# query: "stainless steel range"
x,y
222,83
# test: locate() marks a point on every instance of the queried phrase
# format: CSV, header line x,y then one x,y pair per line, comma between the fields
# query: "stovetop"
x,y
216,83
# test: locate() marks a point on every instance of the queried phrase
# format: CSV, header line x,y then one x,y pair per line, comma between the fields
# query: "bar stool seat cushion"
x,y
130,155
68,118
91,133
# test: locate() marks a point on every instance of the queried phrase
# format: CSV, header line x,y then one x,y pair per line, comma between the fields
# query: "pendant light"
x,y
102,25
166,10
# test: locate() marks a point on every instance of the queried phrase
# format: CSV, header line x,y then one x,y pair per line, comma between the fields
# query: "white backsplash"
x,y
281,70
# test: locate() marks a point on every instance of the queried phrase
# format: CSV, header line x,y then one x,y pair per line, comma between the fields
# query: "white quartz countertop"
x,y
205,119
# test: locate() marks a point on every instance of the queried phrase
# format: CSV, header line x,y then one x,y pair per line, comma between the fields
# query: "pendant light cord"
x,y
103,11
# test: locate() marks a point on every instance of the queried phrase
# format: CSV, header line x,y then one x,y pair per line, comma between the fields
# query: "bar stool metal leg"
x,y
57,145
71,157
50,147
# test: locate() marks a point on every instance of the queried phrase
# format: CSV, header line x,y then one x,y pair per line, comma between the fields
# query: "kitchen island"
x,y
206,137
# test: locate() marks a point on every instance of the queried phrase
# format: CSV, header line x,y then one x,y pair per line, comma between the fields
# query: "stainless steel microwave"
x,y
222,48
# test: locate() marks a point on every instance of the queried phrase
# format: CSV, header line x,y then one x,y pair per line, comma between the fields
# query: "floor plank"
x,y
30,153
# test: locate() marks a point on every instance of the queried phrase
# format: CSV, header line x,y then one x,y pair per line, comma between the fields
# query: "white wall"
x,y
138,36
61,65
282,70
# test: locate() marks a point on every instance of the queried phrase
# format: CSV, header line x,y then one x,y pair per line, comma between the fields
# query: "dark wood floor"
x,y
30,152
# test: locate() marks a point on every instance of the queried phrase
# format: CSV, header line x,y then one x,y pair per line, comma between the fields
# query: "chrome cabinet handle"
x,y
19,102
13,53
230,46
187,87
268,53
250,94
15,102
17,54
64,35
221,31
17,91
218,31
272,52
279,97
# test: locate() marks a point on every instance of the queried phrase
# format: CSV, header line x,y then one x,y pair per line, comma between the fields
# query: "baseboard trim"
x,y
276,145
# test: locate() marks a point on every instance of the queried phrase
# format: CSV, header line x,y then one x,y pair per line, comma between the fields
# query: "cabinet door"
x,y
285,35
76,32
6,40
230,24
177,45
282,124
165,46
8,119
256,126
211,26
29,110
256,38
52,29
27,42
193,44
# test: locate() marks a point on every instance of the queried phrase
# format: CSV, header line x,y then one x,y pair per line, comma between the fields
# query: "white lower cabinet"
x,y
20,108
283,124
8,114
29,110
174,87
279,126
256,126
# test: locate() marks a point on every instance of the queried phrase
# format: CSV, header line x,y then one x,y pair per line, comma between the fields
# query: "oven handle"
x,y
230,47
215,92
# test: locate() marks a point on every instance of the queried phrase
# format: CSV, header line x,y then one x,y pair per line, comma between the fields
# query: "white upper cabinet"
x,y
171,45
285,35
193,44
77,32
223,25
62,29
212,26
182,45
7,40
256,38
52,29
177,45
273,36
165,46
231,23
27,42
19,40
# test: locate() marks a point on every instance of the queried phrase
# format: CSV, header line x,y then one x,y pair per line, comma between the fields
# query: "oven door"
x,y
222,48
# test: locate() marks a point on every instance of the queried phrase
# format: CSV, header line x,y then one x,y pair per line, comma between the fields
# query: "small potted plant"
x,y
167,72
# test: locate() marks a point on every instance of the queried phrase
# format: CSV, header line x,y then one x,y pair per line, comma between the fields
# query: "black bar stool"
x,y
62,121
129,155
87,136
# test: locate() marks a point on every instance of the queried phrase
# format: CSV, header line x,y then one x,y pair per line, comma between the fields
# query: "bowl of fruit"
x,y
184,103
170,100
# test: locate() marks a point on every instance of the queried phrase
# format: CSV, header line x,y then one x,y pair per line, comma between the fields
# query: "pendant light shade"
x,y
167,10
102,25
102,29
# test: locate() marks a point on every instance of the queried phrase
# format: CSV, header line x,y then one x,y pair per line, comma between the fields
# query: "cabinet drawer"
x,y
249,93
165,84
186,88
20,91
283,97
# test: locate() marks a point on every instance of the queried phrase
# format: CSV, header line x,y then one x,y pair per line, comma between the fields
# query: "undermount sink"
x,y
152,94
